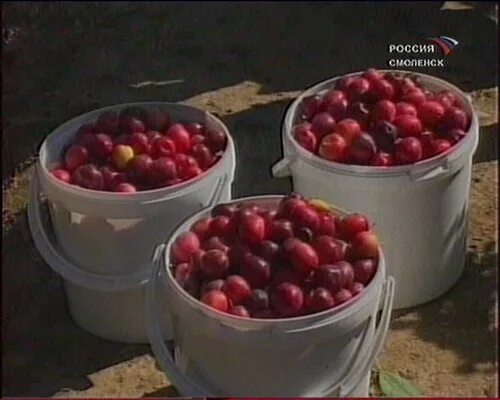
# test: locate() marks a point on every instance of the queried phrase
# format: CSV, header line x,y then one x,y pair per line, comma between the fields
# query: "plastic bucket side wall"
x,y
118,315
251,379
303,361
97,244
362,389
109,309
115,316
279,366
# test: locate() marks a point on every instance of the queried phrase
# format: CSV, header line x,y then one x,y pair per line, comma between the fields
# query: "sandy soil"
x,y
243,63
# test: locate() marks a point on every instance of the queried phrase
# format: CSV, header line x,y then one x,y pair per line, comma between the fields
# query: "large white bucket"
x,y
419,210
215,354
103,242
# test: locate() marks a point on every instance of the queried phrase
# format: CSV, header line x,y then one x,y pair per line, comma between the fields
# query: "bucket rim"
x,y
164,193
338,313
469,142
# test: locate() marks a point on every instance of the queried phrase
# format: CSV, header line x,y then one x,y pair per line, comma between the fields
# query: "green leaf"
x,y
393,385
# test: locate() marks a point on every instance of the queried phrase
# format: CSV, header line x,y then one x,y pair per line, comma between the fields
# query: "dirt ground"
x,y
245,63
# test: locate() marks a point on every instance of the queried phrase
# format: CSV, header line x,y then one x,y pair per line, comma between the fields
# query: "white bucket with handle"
x,y
101,243
420,210
328,354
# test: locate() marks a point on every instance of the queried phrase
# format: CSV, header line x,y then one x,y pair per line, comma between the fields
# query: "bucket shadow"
x,y
487,147
257,136
168,391
43,350
452,321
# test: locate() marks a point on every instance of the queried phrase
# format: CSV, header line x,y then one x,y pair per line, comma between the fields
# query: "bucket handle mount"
x,y
282,168
417,175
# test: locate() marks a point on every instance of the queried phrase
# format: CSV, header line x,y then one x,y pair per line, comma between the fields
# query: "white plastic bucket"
x,y
103,242
216,354
419,210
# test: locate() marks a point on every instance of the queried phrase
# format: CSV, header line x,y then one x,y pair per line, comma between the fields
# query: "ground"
x,y
244,62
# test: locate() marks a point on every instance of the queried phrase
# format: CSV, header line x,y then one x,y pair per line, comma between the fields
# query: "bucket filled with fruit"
x,y
118,180
398,147
271,296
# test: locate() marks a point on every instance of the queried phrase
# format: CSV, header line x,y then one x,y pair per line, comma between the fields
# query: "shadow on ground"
x,y
258,144
43,350
487,147
452,321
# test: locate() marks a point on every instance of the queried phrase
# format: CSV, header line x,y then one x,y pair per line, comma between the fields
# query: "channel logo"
x,y
445,43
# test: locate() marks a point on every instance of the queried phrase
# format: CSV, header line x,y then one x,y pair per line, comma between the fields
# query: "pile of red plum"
x,y
380,119
296,259
138,149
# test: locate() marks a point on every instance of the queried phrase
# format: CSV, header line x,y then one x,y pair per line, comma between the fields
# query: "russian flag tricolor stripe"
x,y
445,43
